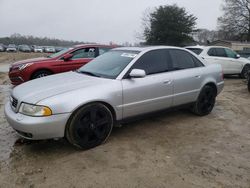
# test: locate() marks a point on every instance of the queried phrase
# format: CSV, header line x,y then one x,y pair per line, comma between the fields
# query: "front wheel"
x,y
245,70
41,73
90,126
205,102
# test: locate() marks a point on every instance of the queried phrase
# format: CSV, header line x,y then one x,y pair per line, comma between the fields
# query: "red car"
x,y
63,61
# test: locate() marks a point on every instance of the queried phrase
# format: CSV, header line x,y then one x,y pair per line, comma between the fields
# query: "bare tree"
x,y
204,36
235,23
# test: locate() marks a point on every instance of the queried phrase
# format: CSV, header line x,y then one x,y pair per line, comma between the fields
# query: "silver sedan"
x,y
84,105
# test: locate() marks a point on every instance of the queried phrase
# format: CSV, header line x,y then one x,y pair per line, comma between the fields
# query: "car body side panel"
x,y
187,84
151,93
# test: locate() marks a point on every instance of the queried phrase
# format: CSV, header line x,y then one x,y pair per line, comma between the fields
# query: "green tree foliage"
x,y
169,25
235,22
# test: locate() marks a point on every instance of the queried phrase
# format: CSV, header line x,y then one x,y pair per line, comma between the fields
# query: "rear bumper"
x,y
220,87
36,128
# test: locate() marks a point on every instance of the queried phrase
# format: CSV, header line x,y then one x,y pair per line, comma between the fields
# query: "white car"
x,y
231,62
49,49
38,49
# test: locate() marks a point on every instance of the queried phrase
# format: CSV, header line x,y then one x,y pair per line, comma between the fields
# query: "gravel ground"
x,y
173,149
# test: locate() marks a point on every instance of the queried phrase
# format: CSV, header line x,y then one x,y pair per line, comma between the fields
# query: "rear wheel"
x,y
90,126
41,73
205,102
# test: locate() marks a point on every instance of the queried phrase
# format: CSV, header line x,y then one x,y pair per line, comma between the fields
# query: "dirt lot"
x,y
174,149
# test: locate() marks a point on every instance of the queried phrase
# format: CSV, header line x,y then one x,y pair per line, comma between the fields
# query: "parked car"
x,y
24,48
65,60
49,49
123,83
38,49
248,81
2,48
11,48
231,62
58,49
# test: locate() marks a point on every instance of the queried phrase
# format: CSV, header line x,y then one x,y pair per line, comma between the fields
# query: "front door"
x,y
151,93
80,57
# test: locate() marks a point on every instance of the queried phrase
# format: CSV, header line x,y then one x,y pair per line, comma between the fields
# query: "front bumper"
x,y
36,128
17,77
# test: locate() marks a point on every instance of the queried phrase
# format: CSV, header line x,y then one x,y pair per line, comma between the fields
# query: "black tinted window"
x,y
195,50
219,52
182,60
153,62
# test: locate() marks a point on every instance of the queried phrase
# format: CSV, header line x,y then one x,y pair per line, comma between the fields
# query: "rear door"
x,y
154,91
80,58
187,71
219,56
235,65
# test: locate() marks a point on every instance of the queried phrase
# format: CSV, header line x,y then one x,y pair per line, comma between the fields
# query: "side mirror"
x,y
137,73
237,56
67,57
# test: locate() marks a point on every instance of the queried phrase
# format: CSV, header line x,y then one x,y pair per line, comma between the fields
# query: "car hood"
x,y
42,88
34,60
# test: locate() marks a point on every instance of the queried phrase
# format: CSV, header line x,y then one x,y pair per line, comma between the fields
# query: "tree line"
x,y
19,39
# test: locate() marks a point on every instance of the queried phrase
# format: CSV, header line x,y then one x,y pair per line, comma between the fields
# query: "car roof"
x,y
96,45
147,48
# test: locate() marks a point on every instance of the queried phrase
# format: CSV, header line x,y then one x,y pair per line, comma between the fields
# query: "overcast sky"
x,y
92,20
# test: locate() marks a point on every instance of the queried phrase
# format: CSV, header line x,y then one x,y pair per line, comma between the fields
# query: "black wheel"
x,y
205,102
244,73
90,126
41,73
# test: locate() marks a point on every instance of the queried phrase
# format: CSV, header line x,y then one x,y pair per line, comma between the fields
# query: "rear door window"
x,y
217,52
183,60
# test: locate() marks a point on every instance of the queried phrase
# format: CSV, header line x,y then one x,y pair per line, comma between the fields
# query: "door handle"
x,y
167,81
198,76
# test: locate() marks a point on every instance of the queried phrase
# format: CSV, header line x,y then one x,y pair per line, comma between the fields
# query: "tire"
x,y
41,73
90,126
205,102
245,70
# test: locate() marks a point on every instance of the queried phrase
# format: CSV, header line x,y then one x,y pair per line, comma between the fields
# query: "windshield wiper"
x,y
88,73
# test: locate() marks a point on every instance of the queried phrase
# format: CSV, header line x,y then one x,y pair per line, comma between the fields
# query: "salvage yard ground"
x,y
174,149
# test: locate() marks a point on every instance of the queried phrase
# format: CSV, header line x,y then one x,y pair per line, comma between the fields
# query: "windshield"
x,y
110,64
59,53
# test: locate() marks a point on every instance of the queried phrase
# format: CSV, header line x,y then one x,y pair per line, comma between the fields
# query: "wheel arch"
x,y
109,106
213,85
40,69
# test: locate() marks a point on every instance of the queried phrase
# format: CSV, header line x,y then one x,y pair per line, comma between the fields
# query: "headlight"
x,y
23,66
35,110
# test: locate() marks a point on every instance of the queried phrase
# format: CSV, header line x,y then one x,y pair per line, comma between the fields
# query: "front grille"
x,y
14,102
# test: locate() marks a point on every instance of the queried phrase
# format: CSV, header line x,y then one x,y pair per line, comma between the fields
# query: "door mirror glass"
x,y
137,73
67,57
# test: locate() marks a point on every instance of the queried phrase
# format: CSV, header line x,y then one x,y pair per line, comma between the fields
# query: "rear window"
x,y
195,50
